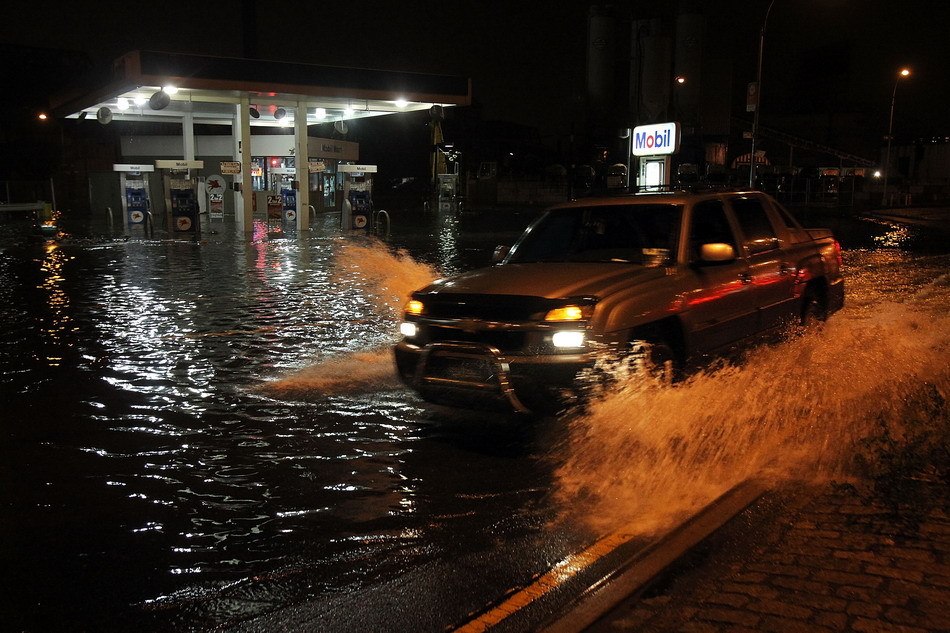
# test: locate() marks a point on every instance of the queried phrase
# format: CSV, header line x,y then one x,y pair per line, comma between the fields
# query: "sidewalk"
x,y
812,560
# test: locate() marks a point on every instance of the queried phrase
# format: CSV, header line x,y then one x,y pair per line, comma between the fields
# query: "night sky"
x,y
527,58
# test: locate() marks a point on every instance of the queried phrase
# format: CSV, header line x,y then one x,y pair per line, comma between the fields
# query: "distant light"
x,y
320,113
680,80
170,89
905,72
42,116
401,103
122,103
877,173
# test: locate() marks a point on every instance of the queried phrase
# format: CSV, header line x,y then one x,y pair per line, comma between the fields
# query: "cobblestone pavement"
x,y
808,561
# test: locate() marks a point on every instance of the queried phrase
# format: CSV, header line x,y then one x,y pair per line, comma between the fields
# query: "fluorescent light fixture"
x,y
401,103
122,103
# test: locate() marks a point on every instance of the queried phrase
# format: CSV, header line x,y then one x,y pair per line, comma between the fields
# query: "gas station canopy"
x,y
149,86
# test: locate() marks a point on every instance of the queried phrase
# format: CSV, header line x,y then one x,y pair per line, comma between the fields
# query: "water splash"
x,y
386,276
360,372
651,454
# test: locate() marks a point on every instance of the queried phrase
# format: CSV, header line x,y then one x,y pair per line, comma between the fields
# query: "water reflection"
x,y
896,236
57,322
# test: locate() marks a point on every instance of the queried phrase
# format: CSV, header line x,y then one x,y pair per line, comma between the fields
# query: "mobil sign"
x,y
656,139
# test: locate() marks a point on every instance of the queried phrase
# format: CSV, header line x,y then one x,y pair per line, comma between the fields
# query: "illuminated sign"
x,y
180,164
133,168
656,140
357,169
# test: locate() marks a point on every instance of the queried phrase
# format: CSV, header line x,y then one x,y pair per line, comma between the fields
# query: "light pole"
x,y
758,97
905,72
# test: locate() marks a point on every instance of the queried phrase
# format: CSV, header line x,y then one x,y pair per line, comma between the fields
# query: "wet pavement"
x,y
810,559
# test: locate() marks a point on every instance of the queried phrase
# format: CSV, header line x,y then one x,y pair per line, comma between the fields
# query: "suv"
x,y
666,278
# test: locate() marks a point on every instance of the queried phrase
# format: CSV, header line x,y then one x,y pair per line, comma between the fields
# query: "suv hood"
x,y
552,280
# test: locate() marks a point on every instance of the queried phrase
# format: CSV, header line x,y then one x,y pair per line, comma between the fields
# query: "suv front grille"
x,y
504,341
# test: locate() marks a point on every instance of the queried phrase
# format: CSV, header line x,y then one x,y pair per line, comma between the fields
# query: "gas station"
x,y
281,174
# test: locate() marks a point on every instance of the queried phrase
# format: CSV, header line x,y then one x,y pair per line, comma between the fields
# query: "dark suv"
x,y
669,278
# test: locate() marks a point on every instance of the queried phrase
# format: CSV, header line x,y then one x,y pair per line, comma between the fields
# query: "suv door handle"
x,y
786,269
745,277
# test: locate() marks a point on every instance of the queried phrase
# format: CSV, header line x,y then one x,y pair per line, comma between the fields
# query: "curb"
x,y
649,564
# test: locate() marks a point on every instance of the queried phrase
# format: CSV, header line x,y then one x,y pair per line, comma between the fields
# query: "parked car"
x,y
668,279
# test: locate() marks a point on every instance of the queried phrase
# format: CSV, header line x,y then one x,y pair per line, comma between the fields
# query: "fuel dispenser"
x,y
181,196
283,184
136,203
448,192
357,197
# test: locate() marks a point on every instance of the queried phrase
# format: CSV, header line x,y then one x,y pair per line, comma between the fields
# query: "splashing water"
x,y
386,276
359,372
651,454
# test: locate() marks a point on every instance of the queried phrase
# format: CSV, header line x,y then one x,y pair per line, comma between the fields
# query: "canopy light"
x,y
170,89
254,112
280,113
159,100
320,113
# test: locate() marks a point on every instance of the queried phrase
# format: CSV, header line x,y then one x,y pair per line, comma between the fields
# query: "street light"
x,y
905,72
758,97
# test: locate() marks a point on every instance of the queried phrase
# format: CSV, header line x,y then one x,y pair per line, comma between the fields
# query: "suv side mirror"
x,y
717,252
500,252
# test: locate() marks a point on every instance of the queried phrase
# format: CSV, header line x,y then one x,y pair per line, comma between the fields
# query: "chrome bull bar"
x,y
460,363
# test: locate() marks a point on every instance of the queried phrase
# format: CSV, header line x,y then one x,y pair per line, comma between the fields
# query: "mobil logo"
x,y
656,139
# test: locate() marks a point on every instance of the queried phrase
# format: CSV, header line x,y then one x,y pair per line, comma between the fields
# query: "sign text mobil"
x,y
656,139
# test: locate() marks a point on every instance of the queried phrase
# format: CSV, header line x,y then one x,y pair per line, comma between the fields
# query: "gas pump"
x,y
181,196
136,204
448,191
283,184
357,196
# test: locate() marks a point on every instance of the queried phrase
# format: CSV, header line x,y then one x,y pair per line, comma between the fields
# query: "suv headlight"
x,y
408,329
568,338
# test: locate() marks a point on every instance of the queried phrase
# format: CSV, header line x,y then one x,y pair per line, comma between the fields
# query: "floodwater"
x,y
198,434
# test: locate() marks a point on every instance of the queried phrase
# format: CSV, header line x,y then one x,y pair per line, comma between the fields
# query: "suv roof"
x,y
680,196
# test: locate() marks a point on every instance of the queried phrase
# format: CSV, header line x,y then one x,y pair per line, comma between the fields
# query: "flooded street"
x,y
196,435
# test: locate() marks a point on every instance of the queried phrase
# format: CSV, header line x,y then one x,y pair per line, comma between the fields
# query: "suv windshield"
x,y
625,233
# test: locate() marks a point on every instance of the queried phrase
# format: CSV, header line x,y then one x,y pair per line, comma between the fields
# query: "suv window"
x,y
755,225
709,225
625,233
